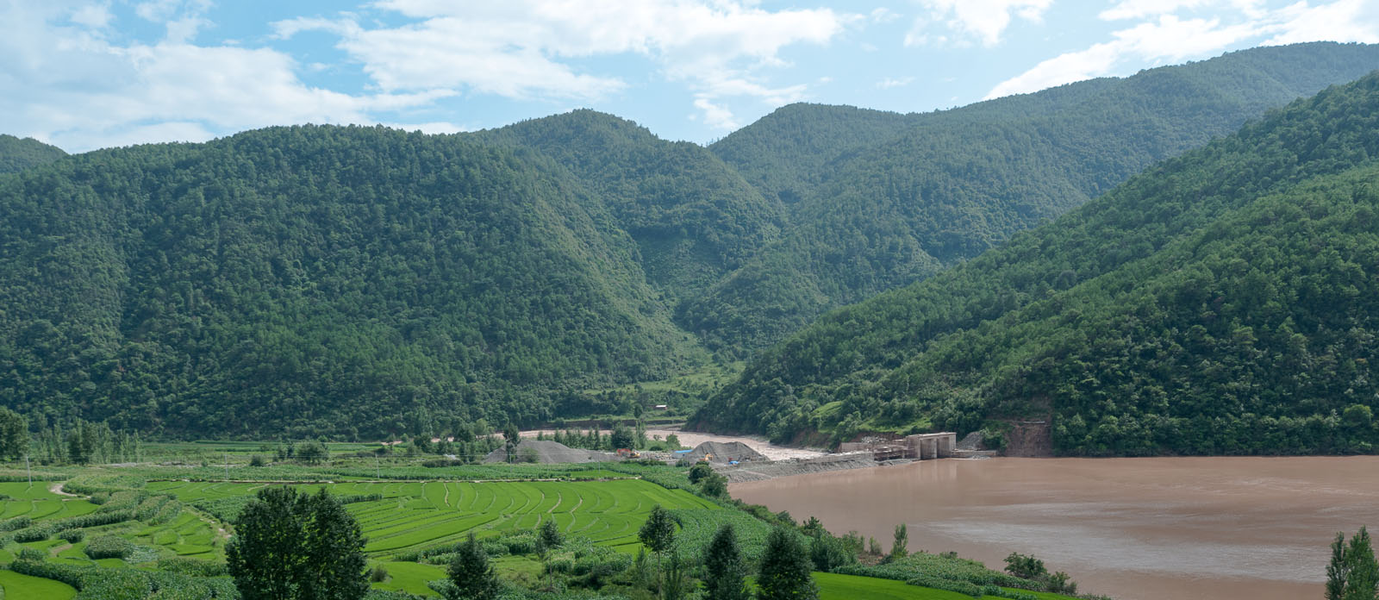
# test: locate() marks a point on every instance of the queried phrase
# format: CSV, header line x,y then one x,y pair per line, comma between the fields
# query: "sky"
x,y
85,75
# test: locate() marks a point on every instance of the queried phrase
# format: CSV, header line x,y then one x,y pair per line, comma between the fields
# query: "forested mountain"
x,y
360,281
693,217
1226,301
18,154
951,185
315,280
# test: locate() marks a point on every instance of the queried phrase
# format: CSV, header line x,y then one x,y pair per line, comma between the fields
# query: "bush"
x,y
15,523
378,574
192,566
27,553
1025,566
258,461
72,535
109,546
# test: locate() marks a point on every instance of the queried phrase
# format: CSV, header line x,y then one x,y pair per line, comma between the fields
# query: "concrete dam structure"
x,y
920,446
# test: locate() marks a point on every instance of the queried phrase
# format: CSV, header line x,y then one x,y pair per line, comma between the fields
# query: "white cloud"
x,y
883,15
1170,38
716,116
894,82
1139,9
77,90
984,20
1341,21
93,16
523,48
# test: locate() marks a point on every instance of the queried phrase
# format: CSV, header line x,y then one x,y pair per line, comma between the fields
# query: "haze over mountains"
x,y
355,281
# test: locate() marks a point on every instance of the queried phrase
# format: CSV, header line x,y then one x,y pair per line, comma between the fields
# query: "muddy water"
x,y
1133,528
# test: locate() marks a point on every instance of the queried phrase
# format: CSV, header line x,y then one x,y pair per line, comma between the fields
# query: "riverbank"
x,y
798,466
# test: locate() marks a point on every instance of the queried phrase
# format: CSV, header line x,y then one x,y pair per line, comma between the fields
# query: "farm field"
x,y
410,516
129,532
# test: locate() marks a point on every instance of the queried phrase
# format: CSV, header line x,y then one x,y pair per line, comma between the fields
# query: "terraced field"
x,y
414,515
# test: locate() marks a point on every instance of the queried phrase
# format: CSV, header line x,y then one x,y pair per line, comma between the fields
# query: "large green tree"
x,y
470,572
785,569
292,546
14,434
725,570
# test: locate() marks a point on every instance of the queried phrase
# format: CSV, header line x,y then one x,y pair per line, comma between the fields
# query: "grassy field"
x,y
414,515
110,532
24,586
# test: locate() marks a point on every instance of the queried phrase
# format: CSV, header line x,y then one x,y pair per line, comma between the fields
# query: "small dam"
x,y
920,446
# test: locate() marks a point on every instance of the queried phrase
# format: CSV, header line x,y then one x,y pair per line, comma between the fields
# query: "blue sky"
x,y
85,75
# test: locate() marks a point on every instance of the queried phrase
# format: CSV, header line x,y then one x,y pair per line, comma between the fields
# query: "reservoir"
x,y
1254,528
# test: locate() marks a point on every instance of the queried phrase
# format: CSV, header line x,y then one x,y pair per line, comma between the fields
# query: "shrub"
x,y
72,535
27,553
258,461
378,574
109,546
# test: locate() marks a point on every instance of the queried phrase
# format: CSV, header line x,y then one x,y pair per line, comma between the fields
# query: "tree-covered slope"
x,y
954,184
315,280
17,154
693,217
1226,301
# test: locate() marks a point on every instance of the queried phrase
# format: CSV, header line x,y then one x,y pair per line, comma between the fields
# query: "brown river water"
x,y
1131,528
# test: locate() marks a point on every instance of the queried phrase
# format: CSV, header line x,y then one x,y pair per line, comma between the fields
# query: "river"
x,y
1132,528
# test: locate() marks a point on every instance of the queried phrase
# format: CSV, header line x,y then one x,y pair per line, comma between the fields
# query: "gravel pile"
x,y
548,452
724,452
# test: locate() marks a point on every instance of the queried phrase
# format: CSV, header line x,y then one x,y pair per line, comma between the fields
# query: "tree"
x,y
621,437
1362,578
289,545
14,434
1338,570
900,546
784,572
725,573
312,452
469,571
511,437
334,551
675,579
714,486
658,532
1026,566
699,471
550,535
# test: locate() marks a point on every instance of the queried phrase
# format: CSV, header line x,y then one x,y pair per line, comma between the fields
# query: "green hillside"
x,y
1222,302
316,280
693,217
18,154
954,184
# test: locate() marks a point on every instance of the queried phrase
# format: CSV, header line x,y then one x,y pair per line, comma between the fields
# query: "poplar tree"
x,y
725,572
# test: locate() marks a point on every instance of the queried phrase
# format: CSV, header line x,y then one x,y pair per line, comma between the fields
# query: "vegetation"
x,y
290,545
725,571
1221,303
933,190
18,154
1352,573
785,569
362,283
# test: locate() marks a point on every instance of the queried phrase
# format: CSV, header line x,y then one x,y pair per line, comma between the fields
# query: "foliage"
x,y
18,154
14,434
1220,303
1353,573
291,545
1025,566
392,282
785,569
658,533
879,201
473,578
900,545
725,570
